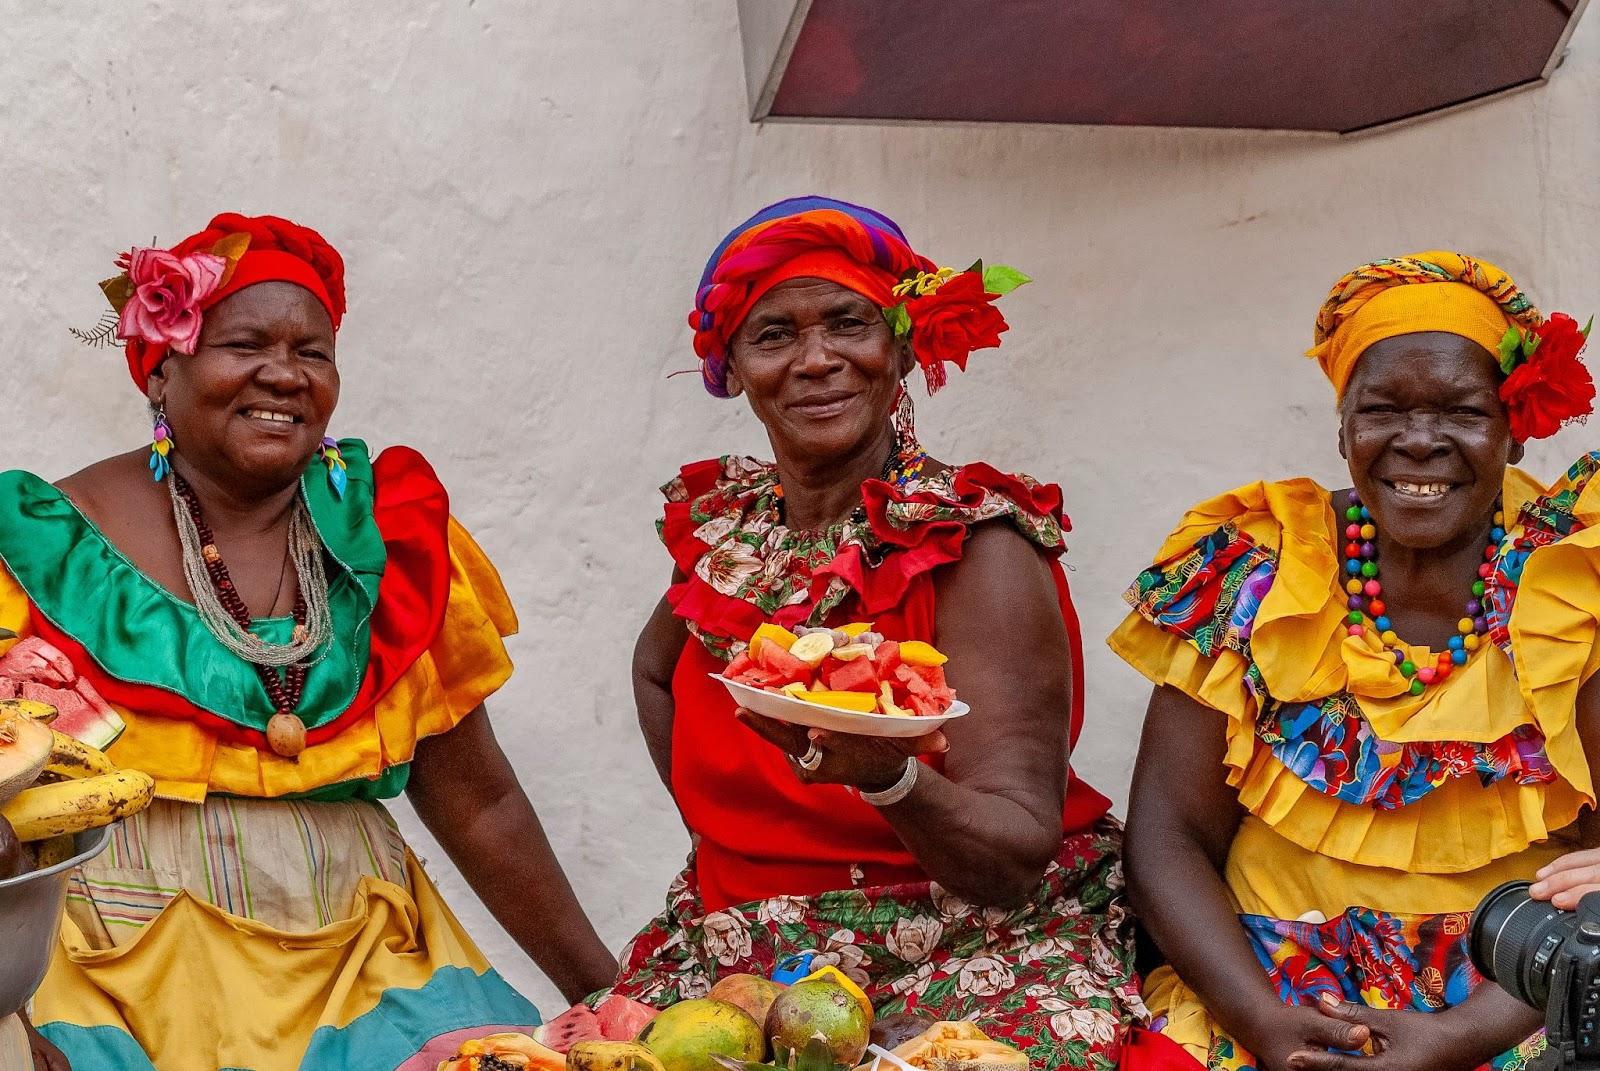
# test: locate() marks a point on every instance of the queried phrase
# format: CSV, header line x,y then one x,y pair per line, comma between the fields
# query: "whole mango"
x,y
686,1036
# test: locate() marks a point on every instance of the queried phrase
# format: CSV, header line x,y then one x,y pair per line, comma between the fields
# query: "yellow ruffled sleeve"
x,y
464,665
1555,623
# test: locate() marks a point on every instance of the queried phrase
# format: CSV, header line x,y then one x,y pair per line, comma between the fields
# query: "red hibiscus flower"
x,y
1552,387
951,322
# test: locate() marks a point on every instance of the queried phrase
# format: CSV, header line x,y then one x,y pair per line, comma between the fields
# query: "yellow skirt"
x,y
394,982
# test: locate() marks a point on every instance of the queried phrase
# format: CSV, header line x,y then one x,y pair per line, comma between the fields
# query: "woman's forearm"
x,y
1184,905
505,856
979,845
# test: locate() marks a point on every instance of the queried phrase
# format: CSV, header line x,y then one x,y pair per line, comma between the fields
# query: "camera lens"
x,y
1513,939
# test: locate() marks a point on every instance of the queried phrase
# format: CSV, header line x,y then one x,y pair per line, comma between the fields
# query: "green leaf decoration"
x,y
899,320
1000,279
1510,350
1585,331
1530,342
977,266
7,634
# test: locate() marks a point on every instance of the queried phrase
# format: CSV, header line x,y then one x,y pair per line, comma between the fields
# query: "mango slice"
x,y
774,634
856,628
918,653
861,702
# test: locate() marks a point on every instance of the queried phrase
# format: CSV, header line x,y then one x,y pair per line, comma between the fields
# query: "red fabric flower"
x,y
1552,387
951,322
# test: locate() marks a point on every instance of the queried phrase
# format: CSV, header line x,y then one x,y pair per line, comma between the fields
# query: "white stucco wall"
x,y
525,193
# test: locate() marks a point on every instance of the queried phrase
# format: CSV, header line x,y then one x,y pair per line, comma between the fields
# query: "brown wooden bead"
x,y
286,735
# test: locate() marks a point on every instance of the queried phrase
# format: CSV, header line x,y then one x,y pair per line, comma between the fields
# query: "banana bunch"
x,y
79,788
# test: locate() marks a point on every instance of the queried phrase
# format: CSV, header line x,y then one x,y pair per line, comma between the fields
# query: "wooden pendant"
x,y
286,735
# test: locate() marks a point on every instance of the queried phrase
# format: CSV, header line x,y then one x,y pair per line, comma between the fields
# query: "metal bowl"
x,y
30,914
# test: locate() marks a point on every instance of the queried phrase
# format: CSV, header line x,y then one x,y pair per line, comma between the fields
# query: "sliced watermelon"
x,y
742,663
783,665
933,676
858,676
84,717
621,1019
575,1024
887,655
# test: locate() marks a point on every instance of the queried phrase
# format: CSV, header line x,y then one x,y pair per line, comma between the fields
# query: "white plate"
x,y
798,712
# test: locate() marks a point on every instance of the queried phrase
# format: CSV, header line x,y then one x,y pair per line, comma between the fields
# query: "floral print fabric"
x,y
1054,976
1367,957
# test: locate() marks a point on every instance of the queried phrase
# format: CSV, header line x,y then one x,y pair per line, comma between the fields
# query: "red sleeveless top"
x,y
762,832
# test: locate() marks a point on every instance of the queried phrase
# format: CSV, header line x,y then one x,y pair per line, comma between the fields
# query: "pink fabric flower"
x,y
167,290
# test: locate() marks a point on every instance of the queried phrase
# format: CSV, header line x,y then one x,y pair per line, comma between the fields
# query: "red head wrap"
x,y
278,251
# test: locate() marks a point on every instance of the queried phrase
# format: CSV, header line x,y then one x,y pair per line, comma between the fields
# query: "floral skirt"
x,y
1054,976
1413,963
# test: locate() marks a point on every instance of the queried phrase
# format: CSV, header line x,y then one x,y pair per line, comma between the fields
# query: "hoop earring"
x,y
160,446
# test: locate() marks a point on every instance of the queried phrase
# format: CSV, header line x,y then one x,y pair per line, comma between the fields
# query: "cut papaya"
x,y
861,702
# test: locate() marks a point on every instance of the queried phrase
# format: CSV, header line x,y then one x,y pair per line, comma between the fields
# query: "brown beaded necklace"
x,y
286,733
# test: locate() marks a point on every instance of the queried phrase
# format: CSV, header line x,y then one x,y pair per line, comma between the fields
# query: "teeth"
x,y
262,414
1422,489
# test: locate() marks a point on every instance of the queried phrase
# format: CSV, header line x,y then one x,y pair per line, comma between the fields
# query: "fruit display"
x,y
53,786
822,1022
849,668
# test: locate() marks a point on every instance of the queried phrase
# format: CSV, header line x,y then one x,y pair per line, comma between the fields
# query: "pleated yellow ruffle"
x,y
464,665
1303,653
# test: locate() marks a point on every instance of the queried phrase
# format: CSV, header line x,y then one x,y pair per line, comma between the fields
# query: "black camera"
x,y
1550,960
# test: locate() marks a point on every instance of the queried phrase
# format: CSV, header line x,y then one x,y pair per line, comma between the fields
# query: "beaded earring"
x,y
160,447
337,476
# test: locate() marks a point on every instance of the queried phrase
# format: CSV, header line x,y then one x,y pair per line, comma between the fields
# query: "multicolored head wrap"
x,y
822,238
1546,386
159,299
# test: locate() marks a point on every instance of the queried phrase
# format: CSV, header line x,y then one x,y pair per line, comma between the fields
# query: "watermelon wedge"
x,y
33,669
575,1024
621,1019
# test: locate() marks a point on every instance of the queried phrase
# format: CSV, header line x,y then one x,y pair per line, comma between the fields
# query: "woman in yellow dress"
x,y
285,633
1373,704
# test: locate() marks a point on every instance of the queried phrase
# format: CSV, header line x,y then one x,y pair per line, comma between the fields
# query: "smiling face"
x,y
820,366
252,404
1427,438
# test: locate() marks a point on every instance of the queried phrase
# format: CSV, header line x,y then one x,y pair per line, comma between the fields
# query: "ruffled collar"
x,y
139,632
725,531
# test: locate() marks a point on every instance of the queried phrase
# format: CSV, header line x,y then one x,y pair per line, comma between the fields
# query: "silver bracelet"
x,y
897,791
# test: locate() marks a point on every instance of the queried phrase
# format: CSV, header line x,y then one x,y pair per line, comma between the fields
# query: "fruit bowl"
x,y
781,707
30,916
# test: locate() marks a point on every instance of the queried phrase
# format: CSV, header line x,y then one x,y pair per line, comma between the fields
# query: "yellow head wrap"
x,y
1478,301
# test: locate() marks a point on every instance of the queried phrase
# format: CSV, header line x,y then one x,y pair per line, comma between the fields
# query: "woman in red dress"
x,y
963,875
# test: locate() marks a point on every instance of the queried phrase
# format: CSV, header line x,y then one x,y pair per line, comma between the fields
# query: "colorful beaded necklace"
x,y
1368,608
903,468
